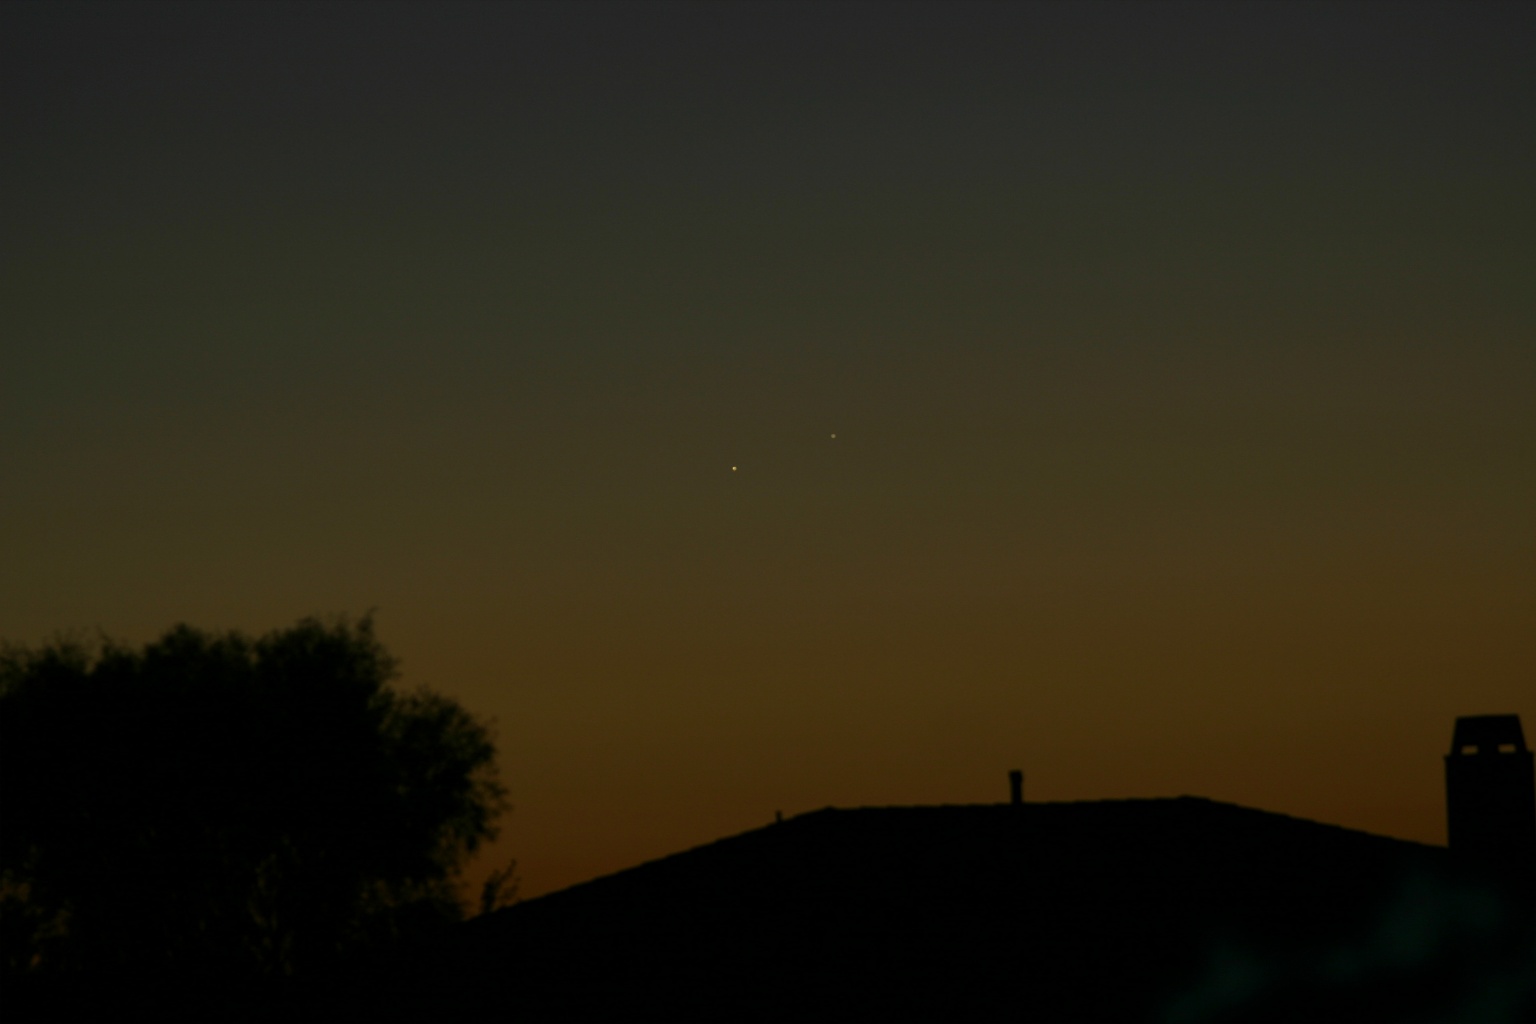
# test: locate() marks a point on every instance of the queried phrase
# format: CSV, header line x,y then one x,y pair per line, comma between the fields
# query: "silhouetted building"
x,y
1181,909
1490,795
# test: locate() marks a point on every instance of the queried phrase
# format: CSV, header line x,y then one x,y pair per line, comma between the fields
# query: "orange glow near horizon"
x,y
757,412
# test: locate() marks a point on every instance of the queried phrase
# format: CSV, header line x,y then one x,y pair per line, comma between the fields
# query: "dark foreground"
x,y
1155,910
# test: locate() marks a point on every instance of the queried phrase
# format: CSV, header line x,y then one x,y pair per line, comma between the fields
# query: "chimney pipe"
x,y
1490,798
1016,787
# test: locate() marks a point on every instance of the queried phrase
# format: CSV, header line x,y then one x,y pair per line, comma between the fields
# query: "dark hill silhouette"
x,y
1173,909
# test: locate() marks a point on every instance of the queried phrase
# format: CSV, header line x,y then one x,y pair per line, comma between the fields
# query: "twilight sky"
x,y
1181,360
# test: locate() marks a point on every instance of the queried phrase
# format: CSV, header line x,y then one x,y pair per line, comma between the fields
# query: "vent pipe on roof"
x,y
1016,787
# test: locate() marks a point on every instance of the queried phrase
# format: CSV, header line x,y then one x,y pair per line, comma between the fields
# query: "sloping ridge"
x,y
1173,909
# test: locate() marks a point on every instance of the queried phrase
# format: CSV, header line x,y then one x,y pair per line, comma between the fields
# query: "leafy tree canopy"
x,y
218,806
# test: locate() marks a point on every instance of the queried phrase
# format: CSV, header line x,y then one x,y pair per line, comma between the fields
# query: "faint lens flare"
x,y
1413,934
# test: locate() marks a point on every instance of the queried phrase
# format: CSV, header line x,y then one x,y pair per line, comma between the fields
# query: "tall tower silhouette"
x,y
1490,796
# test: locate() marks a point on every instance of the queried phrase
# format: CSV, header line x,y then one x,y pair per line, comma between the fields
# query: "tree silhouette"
x,y
228,809
499,890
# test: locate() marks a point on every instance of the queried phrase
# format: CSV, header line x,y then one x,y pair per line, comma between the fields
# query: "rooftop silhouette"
x,y
1163,909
